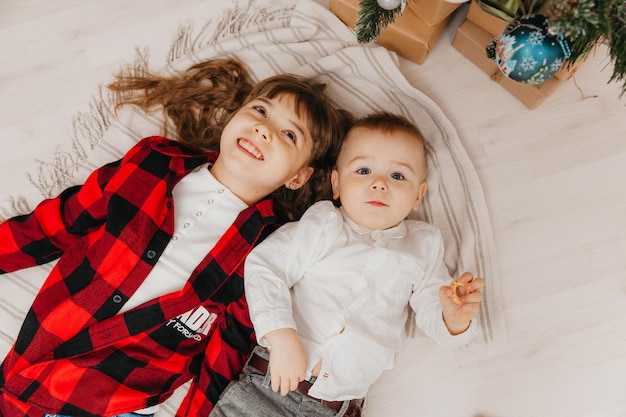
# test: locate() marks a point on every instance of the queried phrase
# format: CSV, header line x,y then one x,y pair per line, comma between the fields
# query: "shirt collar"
x,y
395,232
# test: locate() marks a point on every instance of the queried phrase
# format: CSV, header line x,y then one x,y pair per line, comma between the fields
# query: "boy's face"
x,y
380,177
264,146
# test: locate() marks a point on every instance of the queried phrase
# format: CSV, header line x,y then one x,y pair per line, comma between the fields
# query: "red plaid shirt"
x,y
75,355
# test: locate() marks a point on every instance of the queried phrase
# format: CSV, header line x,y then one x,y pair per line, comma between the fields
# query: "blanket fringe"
x,y
54,175
232,23
88,128
410,326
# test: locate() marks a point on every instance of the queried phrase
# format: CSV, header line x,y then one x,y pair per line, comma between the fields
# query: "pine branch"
x,y
372,20
586,23
582,22
617,41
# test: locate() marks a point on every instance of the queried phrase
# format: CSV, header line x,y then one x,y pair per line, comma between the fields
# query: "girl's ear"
x,y
421,192
300,178
334,181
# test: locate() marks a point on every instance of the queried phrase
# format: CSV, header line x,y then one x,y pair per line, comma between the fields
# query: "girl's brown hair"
x,y
201,101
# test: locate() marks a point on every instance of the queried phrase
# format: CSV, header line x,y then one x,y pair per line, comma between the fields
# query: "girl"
x,y
147,293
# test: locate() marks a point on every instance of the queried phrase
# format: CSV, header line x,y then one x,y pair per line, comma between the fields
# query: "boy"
x,y
329,294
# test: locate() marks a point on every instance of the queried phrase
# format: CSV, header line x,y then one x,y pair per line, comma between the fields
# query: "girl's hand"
x,y
457,317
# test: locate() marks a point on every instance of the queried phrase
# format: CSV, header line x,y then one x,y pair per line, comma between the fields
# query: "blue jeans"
x,y
252,396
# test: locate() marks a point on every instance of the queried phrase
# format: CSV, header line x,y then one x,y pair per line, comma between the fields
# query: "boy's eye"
x,y
363,171
397,176
291,135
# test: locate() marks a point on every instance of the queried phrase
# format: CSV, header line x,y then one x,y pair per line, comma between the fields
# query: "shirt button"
x,y
198,213
221,190
151,254
117,298
211,201
186,225
174,237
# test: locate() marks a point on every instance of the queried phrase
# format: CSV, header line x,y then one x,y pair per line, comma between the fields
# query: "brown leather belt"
x,y
262,365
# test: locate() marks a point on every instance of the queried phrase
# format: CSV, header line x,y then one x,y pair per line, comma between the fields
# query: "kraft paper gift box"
x,y
488,22
409,35
432,12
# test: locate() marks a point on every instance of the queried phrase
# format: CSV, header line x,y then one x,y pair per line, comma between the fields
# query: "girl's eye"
x,y
261,110
291,135
397,176
363,171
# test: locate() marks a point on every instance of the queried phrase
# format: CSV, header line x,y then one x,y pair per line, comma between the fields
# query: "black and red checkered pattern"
x,y
74,354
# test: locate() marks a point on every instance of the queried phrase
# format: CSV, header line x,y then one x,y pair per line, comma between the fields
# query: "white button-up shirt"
x,y
346,290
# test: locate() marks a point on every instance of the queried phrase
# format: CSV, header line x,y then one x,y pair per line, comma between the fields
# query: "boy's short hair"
x,y
389,123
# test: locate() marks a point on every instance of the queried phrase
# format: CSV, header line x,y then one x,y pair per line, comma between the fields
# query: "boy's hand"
x,y
457,317
287,360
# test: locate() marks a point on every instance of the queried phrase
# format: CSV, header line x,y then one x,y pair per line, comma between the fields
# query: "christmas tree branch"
x,y
372,20
585,23
617,41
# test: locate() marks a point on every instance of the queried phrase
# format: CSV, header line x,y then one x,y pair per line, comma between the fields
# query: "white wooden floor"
x,y
555,183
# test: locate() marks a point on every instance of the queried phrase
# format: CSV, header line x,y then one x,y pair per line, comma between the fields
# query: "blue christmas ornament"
x,y
526,52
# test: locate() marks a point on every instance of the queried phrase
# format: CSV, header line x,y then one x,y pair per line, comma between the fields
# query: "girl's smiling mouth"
x,y
250,148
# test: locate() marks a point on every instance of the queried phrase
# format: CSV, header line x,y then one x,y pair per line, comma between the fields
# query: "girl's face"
x,y
264,146
380,177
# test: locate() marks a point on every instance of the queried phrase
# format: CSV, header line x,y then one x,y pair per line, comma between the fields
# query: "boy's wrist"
x,y
279,336
455,328
454,332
